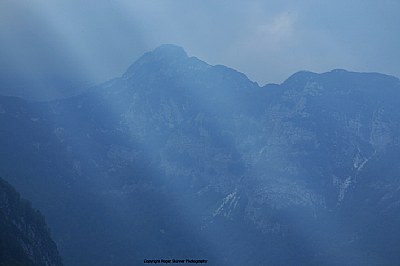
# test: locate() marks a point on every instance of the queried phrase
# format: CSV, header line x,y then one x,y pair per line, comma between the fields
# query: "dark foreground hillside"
x,y
24,237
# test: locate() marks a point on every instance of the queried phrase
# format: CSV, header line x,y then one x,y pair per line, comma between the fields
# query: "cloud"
x,y
272,35
279,30
266,39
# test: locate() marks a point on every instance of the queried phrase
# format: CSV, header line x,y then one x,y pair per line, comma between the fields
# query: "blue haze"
x,y
61,47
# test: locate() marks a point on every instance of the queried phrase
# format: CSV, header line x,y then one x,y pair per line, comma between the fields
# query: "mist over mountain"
x,y
181,159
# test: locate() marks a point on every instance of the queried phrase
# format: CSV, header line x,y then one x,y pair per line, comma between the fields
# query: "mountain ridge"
x,y
198,160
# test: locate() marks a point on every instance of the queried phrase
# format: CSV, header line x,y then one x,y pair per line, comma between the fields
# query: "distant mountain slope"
x,y
178,158
24,237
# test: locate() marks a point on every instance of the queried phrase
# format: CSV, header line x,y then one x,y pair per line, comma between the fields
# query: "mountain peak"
x,y
299,77
339,70
169,50
166,54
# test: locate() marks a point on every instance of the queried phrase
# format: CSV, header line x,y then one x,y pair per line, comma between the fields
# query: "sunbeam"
x,y
137,151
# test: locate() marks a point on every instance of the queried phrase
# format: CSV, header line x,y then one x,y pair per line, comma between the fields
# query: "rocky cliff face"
x,y
24,237
178,158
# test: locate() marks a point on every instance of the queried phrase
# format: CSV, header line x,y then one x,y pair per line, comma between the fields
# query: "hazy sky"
x,y
95,40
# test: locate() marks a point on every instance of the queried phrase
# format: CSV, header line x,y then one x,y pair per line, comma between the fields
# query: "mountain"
x,y
181,159
24,237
